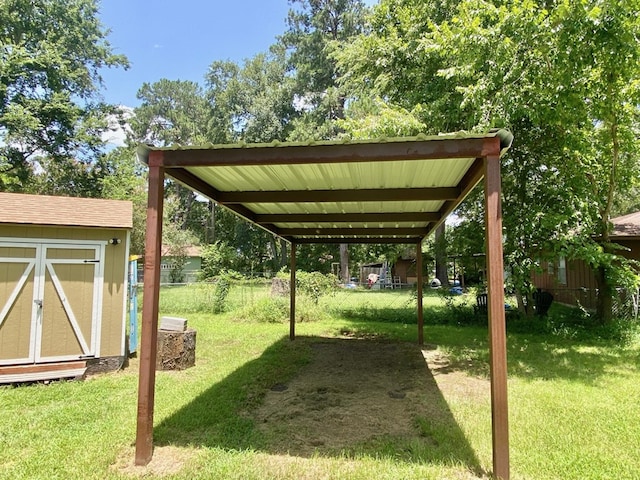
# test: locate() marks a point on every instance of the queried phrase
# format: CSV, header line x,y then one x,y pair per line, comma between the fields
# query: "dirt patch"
x,y
166,461
354,393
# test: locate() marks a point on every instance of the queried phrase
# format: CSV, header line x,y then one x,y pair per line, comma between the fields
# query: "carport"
x,y
386,191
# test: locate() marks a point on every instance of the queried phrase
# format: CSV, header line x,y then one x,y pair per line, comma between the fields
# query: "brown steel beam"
x,y
497,330
189,180
352,240
353,231
432,149
420,282
347,217
468,182
323,196
149,338
292,294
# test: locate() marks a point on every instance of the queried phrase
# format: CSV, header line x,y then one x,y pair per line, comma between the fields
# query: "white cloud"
x,y
118,127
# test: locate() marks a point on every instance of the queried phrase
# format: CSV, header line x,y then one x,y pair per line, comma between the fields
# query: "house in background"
x,y
401,274
572,281
190,269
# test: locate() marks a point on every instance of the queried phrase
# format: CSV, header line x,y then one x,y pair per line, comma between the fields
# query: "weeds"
x,y
220,293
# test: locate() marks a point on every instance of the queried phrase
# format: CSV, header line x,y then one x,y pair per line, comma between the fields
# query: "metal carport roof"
x,y
388,191
385,191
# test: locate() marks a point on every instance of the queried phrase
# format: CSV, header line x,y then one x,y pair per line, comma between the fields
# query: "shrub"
x,y
276,310
269,310
220,293
216,259
315,284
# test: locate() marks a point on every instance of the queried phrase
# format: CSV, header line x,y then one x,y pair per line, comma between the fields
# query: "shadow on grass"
x,y
328,397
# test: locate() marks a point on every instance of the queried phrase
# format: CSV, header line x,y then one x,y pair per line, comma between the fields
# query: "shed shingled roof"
x,y
19,208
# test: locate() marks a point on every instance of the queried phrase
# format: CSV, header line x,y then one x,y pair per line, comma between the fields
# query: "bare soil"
x,y
166,461
355,393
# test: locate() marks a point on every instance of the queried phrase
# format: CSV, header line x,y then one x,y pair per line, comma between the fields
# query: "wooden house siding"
x,y
580,286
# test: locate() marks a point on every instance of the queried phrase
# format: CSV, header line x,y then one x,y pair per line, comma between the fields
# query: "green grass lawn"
x,y
573,405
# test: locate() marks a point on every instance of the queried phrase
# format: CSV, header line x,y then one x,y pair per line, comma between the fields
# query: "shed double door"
x,y
50,297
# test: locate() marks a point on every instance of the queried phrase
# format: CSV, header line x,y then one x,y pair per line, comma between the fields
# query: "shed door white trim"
x,y
66,311
24,261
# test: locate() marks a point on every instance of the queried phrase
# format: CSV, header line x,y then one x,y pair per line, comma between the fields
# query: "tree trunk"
x,y
344,262
525,303
604,305
441,255
284,259
275,255
211,223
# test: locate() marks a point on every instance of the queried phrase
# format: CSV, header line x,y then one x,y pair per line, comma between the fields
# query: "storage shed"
x,y
63,285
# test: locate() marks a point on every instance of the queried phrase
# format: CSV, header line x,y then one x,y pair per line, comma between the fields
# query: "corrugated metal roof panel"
x,y
337,176
345,207
314,225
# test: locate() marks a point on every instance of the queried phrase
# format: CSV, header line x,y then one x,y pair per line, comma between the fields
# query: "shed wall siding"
x,y
114,290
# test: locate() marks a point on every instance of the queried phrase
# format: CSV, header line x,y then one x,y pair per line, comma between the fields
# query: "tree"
x,y
563,77
316,29
367,118
124,178
51,54
175,242
252,102
578,88
174,112
390,62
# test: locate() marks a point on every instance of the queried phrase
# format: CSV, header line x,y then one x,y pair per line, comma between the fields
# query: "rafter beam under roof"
x,y
356,240
383,232
323,196
347,217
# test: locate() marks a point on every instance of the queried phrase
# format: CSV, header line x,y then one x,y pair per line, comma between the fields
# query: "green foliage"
x,y
366,119
268,309
52,53
252,102
176,243
315,285
171,112
315,30
276,310
563,78
216,258
220,293
124,179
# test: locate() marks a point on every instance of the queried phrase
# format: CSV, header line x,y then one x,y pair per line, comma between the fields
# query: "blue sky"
x,y
178,39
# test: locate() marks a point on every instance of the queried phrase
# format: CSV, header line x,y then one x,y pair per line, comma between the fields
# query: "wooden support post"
x,y
148,342
497,331
420,281
292,294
